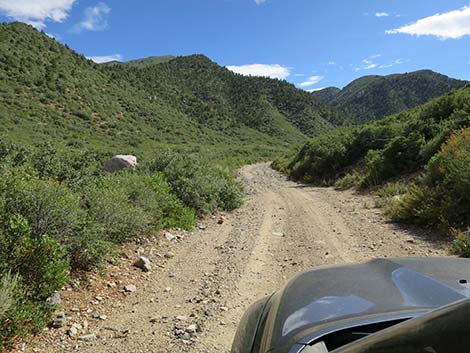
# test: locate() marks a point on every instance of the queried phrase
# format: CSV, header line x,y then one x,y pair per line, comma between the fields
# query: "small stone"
x,y
72,331
224,308
221,220
279,234
169,236
54,299
60,320
191,329
169,255
102,317
167,290
202,226
89,337
22,346
181,318
130,288
143,263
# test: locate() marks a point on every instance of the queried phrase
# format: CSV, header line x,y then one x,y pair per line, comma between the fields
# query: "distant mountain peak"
x,y
373,97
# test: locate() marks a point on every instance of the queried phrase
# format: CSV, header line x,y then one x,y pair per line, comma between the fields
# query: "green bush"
x,y
461,243
322,158
108,201
32,269
400,155
127,204
443,197
390,192
50,207
199,185
348,181
416,206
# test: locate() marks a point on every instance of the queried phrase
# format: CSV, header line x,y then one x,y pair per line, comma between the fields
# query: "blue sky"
x,y
311,43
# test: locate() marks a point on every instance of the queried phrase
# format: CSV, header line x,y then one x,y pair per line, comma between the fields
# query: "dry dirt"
x,y
210,276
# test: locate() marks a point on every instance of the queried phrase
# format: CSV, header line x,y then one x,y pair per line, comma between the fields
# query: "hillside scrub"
x,y
59,215
48,92
199,185
380,150
428,146
443,195
373,97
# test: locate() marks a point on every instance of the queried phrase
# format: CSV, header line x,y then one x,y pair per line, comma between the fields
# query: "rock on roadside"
x,y
120,162
143,263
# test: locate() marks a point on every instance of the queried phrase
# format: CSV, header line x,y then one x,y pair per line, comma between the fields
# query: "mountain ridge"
x,y
50,93
373,97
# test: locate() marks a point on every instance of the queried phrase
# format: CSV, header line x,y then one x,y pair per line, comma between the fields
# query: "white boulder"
x,y
120,162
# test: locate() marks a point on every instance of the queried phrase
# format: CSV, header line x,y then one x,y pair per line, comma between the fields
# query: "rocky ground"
x,y
200,283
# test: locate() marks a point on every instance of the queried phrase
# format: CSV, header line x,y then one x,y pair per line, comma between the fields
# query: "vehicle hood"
x,y
320,298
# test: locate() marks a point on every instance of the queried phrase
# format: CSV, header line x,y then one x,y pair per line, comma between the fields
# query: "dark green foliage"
x,y
197,184
399,144
153,60
433,140
400,155
443,196
31,269
321,158
56,216
374,97
50,93
50,208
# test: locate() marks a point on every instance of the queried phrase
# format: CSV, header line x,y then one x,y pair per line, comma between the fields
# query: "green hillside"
x,y
50,93
428,146
143,62
373,97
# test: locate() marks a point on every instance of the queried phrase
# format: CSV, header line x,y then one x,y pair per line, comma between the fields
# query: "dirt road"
x,y
209,277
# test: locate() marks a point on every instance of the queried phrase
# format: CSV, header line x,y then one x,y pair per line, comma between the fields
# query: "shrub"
x,y
443,197
128,204
50,208
448,173
32,269
108,201
461,243
200,186
89,248
416,206
390,192
348,181
322,158
400,155
9,288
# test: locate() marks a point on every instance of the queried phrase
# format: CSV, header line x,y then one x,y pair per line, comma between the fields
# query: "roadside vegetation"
x,y
417,162
60,213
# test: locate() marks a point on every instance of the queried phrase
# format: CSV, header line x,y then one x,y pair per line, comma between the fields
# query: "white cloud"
x,y
105,58
311,81
315,89
450,25
259,2
37,12
95,19
382,14
369,63
331,63
273,71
